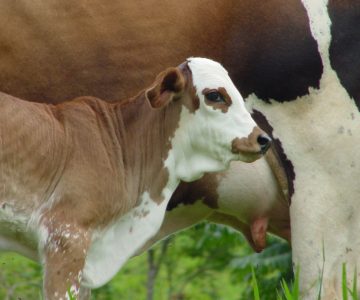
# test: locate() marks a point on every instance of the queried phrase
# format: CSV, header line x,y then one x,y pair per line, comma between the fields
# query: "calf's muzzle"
x,y
257,142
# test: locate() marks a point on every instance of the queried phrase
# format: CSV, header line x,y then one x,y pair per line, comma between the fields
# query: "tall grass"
x,y
286,293
292,292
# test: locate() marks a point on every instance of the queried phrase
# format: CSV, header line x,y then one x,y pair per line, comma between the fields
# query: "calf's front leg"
x,y
64,259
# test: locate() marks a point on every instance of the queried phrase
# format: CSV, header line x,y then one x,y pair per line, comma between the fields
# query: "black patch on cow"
x,y
204,189
286,163
271,52
179,196
345,44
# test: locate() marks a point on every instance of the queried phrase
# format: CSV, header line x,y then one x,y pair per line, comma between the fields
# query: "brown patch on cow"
x,y
224,107
227,97
277,168
158,185
248,144
184,95
192,102
272,55
283,163
168,84
204,189
73,55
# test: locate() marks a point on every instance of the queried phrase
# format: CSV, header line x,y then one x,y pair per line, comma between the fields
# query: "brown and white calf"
x,y
86,183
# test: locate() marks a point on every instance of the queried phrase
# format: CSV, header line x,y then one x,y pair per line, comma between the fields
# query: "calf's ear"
x,y
167,85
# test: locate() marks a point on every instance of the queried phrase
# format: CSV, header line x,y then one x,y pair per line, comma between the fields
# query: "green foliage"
x,y
20,278
271,266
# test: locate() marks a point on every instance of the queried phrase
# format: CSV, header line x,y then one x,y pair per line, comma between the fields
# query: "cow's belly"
x,y
114,245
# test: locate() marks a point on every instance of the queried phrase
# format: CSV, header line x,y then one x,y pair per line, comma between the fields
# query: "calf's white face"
x,y
220,129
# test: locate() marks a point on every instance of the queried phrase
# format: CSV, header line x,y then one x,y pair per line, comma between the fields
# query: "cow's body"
x,y
295,61
86,183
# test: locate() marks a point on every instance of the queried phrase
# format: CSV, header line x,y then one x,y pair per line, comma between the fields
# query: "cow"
x,y
87,182
295,62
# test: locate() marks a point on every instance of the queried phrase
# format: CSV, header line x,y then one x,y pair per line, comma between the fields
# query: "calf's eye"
x,y
215,97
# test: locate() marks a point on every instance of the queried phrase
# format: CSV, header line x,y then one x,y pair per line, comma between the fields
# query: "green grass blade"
x,y
344,283
286,290
279,296
296,288
354,291
255,285
322,271
71,297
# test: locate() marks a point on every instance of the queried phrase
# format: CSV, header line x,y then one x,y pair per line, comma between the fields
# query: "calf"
x,y
85,181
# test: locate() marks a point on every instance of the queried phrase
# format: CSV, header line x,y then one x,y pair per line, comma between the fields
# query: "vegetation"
x,y
207,262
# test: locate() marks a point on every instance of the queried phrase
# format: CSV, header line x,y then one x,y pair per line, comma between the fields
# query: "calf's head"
x,y
214,127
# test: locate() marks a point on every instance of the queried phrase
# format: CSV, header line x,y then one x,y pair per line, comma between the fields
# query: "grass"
x,y
346,291
255,285
292,292
70,295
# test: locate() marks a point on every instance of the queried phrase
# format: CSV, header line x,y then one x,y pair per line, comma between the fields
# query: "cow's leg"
x,y
64,258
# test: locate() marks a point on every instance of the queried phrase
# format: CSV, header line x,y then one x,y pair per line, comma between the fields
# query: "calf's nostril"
x,y
264,141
